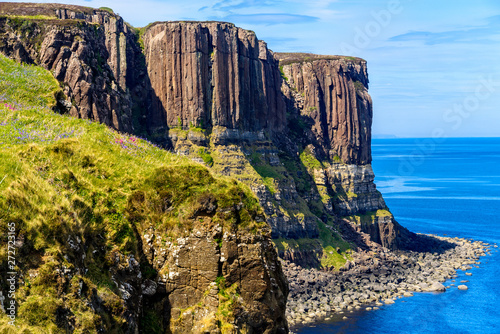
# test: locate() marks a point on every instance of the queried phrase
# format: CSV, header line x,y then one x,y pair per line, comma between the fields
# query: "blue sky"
x,y
433,64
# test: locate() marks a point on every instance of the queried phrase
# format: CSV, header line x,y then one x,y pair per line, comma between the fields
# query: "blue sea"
x,y
447,187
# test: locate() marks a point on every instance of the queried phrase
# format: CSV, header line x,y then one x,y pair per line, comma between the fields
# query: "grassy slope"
x,y
64,178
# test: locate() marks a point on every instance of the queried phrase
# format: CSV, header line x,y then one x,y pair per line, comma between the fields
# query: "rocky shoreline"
x,y
377,277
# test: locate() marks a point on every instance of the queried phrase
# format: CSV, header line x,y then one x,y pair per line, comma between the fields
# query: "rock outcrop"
x,y
356,184
328,94
212,74
332,93
199,267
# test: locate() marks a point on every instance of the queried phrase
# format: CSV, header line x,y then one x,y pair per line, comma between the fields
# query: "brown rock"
x,y
193,264
335,99
88,58
212,74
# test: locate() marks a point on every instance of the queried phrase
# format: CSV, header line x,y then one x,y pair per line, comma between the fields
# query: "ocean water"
x,y
450,187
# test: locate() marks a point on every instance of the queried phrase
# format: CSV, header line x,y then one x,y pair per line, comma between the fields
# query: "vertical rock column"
x,y
338,104
116,44
212,74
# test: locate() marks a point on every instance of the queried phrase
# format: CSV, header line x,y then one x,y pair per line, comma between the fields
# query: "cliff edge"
x,y
211,74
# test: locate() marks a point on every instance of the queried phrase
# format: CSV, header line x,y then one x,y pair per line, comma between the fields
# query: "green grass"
x,y
31,17
107,9
287,58
296,244
323,192
269,174
283,73
26,85
337,159
64,178
303,180
335,249
342,195
359,86
383,213
207,158
198,129
228,297
310,161
266,170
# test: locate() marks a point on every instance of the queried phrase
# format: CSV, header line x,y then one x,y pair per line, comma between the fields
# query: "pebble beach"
x,y
374,278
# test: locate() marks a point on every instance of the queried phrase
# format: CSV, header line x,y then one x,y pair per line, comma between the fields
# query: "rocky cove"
x,y
378,277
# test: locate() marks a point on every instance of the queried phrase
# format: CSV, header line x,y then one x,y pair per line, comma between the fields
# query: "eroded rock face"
x,y
329,95
92,54
192,269
215,77
283,206
333,94
209,74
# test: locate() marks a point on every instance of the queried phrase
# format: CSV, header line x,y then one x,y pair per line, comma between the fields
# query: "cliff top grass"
x,y
287,58
36,9
67,181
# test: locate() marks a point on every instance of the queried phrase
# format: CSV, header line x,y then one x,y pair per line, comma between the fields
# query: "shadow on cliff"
x,y
350,234
155,304
297,151
148,113
422,243
406,240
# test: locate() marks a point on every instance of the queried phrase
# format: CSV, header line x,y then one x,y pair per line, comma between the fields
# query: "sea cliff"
x,y
293,129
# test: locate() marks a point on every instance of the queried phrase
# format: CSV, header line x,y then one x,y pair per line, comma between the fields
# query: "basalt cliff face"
x,y
295,128
218,89
332,92
91,52
211,74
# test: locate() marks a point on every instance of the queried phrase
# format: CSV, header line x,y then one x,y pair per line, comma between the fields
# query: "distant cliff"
x,y
330,93
294,127
333,92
